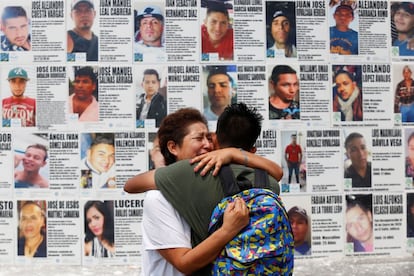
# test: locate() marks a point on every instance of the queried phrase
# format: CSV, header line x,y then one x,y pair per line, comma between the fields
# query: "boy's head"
x,y
239,126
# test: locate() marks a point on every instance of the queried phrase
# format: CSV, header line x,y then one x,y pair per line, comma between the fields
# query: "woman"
x,y
360,169
182,135
359,225
32,231
99,230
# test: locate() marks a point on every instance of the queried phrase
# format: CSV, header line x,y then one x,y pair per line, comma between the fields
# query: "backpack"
x,y
265,245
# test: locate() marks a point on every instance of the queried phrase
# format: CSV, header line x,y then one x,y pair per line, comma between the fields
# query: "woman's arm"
x,y
220,157
187,260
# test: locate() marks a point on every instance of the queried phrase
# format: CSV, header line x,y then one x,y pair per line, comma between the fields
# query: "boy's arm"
x,y
217,158
141,183
188,260
145,181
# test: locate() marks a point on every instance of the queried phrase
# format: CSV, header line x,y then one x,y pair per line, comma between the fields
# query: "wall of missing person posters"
x,y
332,79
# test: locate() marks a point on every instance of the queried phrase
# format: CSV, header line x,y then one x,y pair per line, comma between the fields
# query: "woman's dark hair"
x,y
174,127
108,227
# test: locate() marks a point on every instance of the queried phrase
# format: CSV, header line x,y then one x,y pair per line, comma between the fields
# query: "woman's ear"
x,y
172,147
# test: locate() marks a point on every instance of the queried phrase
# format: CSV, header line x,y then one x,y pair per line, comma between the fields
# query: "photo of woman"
x,y
99,229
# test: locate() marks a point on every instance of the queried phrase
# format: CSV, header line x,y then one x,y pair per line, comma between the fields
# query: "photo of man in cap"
x,y
18,106
81,39
149,40
15,27
216,32
343,39
281,26
299,221
403,19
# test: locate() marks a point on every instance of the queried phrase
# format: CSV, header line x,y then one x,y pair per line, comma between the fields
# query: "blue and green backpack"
x,y
265,246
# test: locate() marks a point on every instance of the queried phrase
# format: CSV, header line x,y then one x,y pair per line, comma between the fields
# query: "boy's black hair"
x,y
239,126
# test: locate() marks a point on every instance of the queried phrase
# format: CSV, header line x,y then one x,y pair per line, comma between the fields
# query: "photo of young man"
x,y
18,109
81,38
15,28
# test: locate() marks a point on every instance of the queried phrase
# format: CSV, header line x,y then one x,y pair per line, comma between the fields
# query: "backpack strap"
x,y
228,181
261,179
232,186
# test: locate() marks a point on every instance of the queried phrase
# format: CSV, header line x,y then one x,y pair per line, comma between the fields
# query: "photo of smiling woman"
x,y
32,229
99,229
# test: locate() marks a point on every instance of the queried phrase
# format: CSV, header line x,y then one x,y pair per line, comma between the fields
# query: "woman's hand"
x,y
236,216
214,159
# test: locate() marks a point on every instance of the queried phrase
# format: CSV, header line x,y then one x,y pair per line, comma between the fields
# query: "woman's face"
x,y
196,142
357,151
31,221
359,224
95,220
